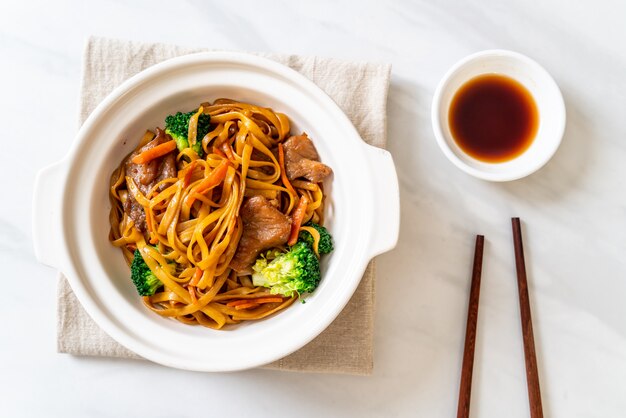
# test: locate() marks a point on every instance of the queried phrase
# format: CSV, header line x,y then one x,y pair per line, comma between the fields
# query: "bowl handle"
x,y
47,229
386,201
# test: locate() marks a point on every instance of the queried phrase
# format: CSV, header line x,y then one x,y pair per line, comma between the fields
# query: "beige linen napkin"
x,y
360,89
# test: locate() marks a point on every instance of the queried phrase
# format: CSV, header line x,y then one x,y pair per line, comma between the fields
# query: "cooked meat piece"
x,y
146,176
302,160
264,227
135,212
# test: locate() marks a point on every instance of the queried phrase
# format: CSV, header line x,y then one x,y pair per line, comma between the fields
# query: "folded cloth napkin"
x,y
360,89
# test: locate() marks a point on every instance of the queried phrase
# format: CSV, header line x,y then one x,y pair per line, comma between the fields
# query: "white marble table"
x,y
574,212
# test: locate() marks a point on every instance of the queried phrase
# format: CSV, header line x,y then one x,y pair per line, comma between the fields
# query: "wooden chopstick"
x,y
465,390
532,376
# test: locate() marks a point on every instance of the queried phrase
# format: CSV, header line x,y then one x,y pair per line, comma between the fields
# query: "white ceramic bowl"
x,y
541,86
71,226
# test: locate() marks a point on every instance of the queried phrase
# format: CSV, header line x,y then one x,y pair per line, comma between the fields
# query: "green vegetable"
x,y
326,240
177,126
144,279
296,271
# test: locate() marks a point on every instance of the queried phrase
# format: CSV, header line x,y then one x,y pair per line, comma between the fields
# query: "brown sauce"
x,y
493,118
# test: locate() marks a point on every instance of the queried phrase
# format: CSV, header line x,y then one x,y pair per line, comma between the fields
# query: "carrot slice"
x,y
156,152
283,171
192,294
148,220
189,173
268,300
246,306
296,219
196,277
153,239
215,177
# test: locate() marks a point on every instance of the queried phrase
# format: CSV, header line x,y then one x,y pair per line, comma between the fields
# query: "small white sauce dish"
x,y
542,87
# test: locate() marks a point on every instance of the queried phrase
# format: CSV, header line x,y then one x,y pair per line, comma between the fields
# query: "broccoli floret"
x,y
144,279
296,271
177,126
326,240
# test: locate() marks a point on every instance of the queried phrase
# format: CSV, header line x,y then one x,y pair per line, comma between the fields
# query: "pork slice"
x,y
302,160
146,176
264,227
135,211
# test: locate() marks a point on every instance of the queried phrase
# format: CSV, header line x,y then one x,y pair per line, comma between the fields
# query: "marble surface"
x,y
574,213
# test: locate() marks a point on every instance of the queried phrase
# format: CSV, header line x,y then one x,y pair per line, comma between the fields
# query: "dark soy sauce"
x,y
493,118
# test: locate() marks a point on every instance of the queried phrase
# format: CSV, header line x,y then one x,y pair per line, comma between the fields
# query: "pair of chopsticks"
x,y
532,377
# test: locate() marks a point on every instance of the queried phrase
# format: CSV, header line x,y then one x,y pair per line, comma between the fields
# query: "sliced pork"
x,y
302,160
264,227
146,176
